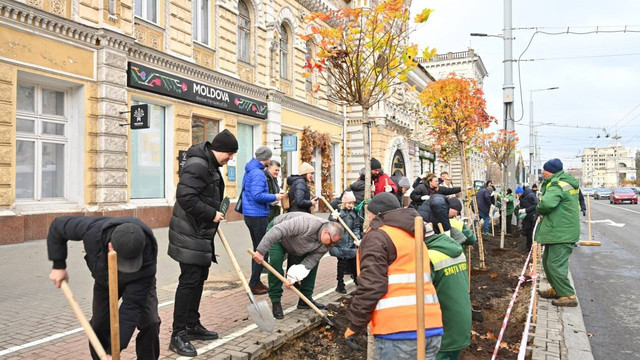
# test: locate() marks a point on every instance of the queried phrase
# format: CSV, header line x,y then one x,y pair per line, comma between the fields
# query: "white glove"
x,y
335,214
425,197
494,193
448,232
388,188
297,273
522,211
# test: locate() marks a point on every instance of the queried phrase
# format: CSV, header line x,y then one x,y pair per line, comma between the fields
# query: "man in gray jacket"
x,y
305,238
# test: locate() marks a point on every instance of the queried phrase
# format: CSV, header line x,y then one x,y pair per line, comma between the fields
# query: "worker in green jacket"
x,y
558,230
449,276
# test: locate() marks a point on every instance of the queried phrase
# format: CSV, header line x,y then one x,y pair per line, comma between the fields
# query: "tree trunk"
x,y
366,143
466,174
503,207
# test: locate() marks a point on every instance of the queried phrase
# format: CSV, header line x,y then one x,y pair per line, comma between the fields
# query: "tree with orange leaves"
x,y
457,117
362,54
498,149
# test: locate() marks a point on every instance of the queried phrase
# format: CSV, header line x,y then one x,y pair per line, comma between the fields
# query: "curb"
x,y
560,332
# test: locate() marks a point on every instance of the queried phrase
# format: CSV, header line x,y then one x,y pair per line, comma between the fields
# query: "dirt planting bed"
x,y
491,291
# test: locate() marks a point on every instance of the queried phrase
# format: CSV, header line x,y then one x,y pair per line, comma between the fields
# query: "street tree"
x,y
457,117
498,149
363,53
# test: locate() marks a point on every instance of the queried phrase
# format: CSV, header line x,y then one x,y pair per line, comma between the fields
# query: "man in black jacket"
x,y
193,225
436,210
528,203
137,257
484,201
271,173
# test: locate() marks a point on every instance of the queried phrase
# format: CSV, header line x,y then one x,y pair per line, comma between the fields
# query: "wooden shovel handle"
x,y
236,266
346,228
114,318
419,234
440,228
93,339
287,282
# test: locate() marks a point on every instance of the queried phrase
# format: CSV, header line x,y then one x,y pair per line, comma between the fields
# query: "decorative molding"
x,y
303,107
286,15
317,5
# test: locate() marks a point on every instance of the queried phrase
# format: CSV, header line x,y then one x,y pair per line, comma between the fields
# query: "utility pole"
x,y
507,88
616,152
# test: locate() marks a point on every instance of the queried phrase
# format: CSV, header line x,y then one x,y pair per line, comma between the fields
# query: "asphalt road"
x,y
607,280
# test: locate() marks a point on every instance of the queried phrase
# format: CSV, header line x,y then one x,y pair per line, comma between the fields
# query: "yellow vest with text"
x,y
396,310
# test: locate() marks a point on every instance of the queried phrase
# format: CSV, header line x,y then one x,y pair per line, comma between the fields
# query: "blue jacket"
x,y
255,191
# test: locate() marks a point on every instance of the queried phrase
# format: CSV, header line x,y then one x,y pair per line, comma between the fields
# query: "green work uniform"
x,y
450,278
559,228
509,201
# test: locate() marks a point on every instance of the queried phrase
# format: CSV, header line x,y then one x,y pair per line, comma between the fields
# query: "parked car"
x,y
620,195
588,191
602,193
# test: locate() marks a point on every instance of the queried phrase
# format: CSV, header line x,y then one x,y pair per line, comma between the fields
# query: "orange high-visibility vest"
x,y
396,311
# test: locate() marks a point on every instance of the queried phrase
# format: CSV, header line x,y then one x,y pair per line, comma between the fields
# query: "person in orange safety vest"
x,y
386,293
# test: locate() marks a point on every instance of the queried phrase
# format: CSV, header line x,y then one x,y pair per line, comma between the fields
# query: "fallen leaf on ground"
x,y
504,345
591,335
494,275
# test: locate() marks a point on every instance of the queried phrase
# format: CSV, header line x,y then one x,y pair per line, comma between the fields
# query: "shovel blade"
x,y
263,317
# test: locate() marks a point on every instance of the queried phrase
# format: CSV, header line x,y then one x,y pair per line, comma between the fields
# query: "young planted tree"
x,y
361,56
499,147
457,118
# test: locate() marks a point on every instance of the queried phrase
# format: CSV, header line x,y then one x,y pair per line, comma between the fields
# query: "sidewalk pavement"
x,y
559,332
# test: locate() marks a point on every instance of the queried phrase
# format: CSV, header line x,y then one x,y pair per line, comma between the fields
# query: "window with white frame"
x,y
284,52
308,81
146,9
200,13
244,32
41,142
148,156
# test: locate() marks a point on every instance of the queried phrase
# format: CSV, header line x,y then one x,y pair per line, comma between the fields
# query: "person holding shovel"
x,y
345,250
195,219
137,257
387,289
558,230
305,238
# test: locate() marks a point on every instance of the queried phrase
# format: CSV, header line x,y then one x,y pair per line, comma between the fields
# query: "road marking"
x,y
609,222
226,339
618,207
56,336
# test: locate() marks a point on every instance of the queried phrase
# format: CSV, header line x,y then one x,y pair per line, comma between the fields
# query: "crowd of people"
x,y
380,259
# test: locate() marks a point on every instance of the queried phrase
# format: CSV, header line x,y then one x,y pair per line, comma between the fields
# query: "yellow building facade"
x,y
71,70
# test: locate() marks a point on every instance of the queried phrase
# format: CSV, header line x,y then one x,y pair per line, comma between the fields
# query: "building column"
x,y
112,139
274,129
8,82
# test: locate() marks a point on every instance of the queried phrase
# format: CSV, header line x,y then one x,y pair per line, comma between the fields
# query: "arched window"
x,y
308,81
244,32
284,52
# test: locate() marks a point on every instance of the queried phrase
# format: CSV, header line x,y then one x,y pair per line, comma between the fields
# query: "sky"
x,y
595,90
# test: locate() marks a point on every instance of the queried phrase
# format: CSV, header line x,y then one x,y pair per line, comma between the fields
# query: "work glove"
x,y
522,211
297,273
584,213
388,188
350,339
425,197
494,193
448,232
335,214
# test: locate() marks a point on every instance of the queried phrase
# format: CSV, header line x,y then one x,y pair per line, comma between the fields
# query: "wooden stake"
x,y
440,228
113,303
419,234
535,273
469,266
93,339
589,217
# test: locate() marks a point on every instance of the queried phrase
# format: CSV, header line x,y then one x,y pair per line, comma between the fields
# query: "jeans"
x,y
147,340
188,294
487,221
404,349
257,228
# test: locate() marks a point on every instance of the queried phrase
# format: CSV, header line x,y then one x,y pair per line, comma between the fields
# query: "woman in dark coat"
x,y
299,193
428,188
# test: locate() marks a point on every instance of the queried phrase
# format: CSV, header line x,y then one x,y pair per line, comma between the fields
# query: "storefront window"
x,y
147,157
245,150
41,143
203,129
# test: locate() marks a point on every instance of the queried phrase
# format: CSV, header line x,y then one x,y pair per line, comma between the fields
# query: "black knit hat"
x,y
128,241
225,141
454,203
383,202
375,164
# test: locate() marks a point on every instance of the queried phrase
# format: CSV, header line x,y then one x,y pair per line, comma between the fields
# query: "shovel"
x,y
287,282
112,262
346,228
259,311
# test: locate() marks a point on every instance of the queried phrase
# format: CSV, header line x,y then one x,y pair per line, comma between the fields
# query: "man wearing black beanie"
x,y
381,181
193,225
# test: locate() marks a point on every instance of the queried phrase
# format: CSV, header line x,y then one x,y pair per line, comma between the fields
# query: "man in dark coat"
x,y
299,193
436,210
193,225
528,203
358,187
484,201
137,257
271,173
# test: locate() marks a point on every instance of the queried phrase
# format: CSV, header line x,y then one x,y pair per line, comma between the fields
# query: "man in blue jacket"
x,y
256,200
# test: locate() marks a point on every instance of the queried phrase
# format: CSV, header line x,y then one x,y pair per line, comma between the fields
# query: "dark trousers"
x,y
257,228
509,217
527,231
345,267
188,294
147,341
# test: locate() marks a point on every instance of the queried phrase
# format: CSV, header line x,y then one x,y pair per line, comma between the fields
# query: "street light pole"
x,y
532,147
507,87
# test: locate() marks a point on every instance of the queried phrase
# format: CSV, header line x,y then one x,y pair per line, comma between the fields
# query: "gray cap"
x,y
383,202
404,182
263,153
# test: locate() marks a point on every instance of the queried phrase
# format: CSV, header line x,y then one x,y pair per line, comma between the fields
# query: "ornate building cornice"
x,y
317,5
303,107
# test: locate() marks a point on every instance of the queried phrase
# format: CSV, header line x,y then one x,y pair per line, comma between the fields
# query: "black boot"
x,y
199,332
340,288
355,279
180,344
277,310
303,305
